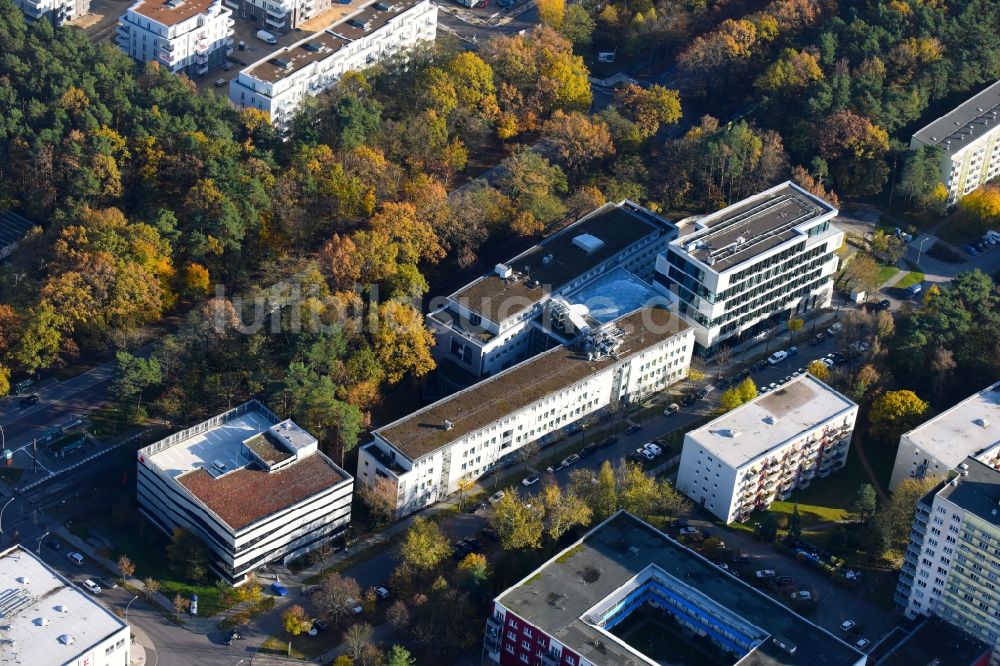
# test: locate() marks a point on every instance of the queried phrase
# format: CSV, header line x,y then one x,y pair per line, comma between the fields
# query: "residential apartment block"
x,y
583,608
594,267
56,11
424,455
50,621
278,16
765,449
970,428
750,266
185,36
279,82
254,488
968,141
951,568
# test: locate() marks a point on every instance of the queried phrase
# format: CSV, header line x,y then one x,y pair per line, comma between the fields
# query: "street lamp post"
x,y
1,513
127,605
39,549
920,250
3,439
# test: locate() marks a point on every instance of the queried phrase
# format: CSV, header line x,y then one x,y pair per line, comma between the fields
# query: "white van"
x,y
777,357
265,36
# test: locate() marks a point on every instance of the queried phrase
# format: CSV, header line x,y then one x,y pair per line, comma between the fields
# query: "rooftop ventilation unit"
x,y
588,243
312,47
771,420
23,580
982,422
42,621
282,63
66,639
504,271
61,609
448,424
730,433
384,6
547,259
173,4
358,23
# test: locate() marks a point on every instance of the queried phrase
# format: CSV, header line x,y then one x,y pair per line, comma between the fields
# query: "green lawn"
x,y
958,230
886,272
910,279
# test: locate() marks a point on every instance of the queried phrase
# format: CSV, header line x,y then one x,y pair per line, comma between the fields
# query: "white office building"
x,y
970,428
185,36
56,11
469,433
751,266
596,266
49,621
950,568
967,139
254,488
279,82
765,449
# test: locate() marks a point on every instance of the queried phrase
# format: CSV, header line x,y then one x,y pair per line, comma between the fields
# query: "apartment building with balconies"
x,y
951,567
596,267
278,16
278,83
936,446
421,458
968,143
749,267
185,36
764,449
56,11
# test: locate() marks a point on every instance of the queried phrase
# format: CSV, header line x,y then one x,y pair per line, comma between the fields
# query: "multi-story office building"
x,y
424,455
50,621
951,567
750,266
763,450
595,265
56,11
279,82
185,36
970,428
254,488
627,594
967,140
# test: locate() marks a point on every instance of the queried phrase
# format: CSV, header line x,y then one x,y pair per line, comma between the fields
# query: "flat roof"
x,y
976,489
525,383
965,123
38,606
933,642
614,294
751,430
970,428
13,227
211,461
319,46
744,230
171,12
557,260
557,596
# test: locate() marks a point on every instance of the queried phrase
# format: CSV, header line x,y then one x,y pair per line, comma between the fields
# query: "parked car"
x,y
382,592
317,627
608,441
863,644
497,496
587,450
802,595
311,589
837,358
705,390
571,460
54,545
834,328
740,558
76,558
678,522
970,249
642,453
783,580
765,574
759,365
92,587
671,409
354,606
818,338
279,589
689,399
884,304
848,625
460,549
235,635
28,400
529,480
490,533
792,351
653,448
914,289
220,83
472,542
777,357
858,347
688,530
632,429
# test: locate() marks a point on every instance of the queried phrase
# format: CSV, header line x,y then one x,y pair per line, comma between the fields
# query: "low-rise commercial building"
x,y
56,11
752,265
422,457
279,82
970,428
951,568
254,488
49,621
765,449
596,266
185,36
966,139
627,594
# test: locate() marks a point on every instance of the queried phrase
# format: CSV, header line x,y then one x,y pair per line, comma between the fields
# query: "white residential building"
x,y
57,11
278,83
951,568
596,265
970,428
185,36
968,141
254,488
278,16
50,621
467,434
763,450
750,266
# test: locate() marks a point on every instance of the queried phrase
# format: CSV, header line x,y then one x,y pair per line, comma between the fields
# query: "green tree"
x,y
894,413
742,393
920,178
135,374
864,502
533,185
400,656
563,511
357,120
475,568
767,529
819,370
295,621
424,545
578,26
519,524
795,523
187,555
